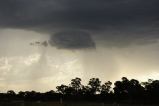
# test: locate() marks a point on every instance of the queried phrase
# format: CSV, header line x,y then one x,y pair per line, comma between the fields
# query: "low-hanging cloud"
x,y
72,40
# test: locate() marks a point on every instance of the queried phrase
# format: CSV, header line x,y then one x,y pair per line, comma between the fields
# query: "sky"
x,y
46,43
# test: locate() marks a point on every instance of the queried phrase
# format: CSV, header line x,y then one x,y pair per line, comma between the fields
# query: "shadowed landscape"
x,y
124,92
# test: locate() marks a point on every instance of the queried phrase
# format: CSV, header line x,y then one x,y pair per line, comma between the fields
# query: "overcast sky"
x,y
45,43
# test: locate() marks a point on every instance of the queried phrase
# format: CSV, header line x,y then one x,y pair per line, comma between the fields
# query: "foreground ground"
x,y
66,104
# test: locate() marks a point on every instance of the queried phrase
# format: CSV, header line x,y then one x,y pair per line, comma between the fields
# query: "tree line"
x,y
123,91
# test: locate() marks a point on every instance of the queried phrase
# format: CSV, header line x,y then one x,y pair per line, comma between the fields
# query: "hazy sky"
x,y
45,43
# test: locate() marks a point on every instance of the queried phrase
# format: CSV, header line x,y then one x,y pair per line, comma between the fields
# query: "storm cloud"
x,y
72,40
123,22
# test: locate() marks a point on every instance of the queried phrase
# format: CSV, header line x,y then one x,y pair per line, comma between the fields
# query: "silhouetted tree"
x,y
62,89
105,88
11,92
135,89
21,94
86,90
128,89
95,85
50,92
152,90
76,86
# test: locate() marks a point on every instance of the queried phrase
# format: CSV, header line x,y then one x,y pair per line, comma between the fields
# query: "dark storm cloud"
x,y
72,40
86,14
117,22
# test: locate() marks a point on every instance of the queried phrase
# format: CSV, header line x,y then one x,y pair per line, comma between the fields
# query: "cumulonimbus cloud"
x,y
68,40
72,40
92,15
